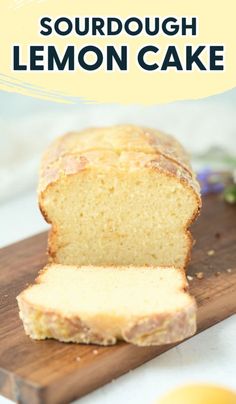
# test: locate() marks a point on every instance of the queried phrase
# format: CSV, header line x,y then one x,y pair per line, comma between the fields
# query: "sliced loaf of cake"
x,y
143,306
121,195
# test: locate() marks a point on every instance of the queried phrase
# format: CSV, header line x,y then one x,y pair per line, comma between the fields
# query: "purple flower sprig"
x,y
210,181
218,182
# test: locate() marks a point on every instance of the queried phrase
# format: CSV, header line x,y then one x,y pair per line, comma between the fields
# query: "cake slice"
x,y
144,306
121,195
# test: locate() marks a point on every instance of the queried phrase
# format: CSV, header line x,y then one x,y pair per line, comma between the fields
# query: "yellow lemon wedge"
x,y
199,394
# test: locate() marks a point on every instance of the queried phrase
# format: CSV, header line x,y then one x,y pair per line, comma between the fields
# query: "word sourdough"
x,y
111,26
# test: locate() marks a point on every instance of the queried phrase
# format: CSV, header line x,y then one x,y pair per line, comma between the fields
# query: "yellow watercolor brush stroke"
x,y
20,25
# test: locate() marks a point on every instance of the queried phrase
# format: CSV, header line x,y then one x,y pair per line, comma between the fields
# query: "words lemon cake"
x,y
121,195
144,306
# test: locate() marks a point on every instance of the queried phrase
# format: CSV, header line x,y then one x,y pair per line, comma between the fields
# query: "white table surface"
x,y
207,357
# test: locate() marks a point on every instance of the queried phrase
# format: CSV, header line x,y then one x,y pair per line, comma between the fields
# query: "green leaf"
x,y
230,194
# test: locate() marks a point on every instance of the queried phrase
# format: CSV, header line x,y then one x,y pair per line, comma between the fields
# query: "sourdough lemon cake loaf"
x,y
143,306
120,195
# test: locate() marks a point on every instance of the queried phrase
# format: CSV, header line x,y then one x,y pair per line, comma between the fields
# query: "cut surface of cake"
x,y
121,195
144,306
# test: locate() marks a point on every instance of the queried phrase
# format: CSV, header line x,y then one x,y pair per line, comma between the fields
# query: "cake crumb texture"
x,y
143,306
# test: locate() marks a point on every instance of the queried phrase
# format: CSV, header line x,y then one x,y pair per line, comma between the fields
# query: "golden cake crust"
x,y
130,138
119,144
154,330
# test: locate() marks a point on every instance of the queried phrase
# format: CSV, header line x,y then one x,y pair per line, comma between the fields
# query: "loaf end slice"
x,y
95,305
122,195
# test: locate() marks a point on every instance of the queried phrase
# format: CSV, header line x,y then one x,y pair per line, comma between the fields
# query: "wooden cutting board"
x,y
49,371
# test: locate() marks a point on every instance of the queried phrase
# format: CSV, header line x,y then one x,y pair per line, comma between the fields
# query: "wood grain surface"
x,y
48,371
